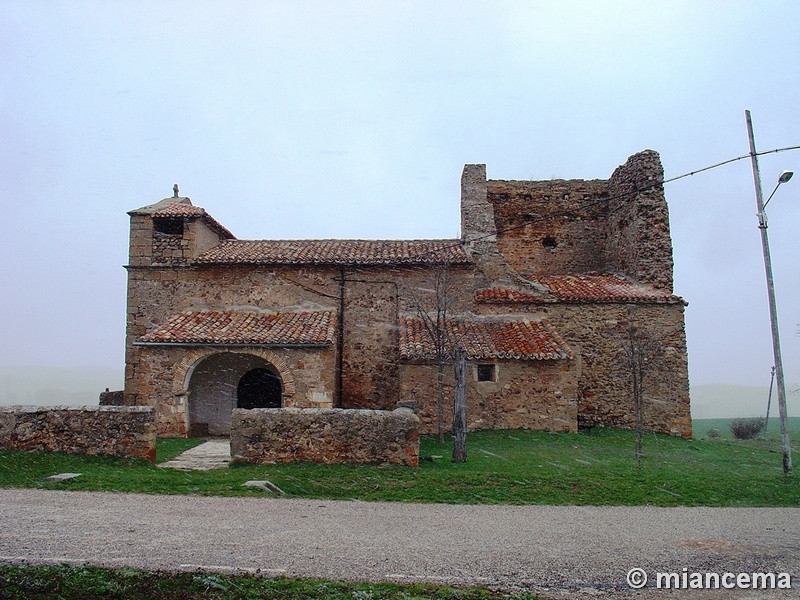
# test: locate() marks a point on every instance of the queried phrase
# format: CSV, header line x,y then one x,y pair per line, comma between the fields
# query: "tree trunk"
x,y
460,410
440,399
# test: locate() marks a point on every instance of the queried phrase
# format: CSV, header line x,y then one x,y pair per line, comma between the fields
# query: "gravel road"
x,y
553,550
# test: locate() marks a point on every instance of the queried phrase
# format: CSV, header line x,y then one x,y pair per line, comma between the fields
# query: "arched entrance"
x,y
227,380
259,388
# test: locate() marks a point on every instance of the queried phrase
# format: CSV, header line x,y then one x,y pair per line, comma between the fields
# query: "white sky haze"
x,y
354,120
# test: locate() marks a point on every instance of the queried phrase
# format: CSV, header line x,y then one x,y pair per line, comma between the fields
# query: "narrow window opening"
x,y
549,243
486,373
168,225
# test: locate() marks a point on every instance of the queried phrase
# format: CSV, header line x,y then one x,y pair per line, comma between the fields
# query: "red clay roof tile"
x,y
507,296
188,210
244,328
336,252
520,340
588,287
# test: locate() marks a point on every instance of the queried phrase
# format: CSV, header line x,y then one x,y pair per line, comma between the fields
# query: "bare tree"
x,y
434,316
642,352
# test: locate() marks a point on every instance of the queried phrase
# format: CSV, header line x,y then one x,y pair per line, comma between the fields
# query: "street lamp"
x,y
784,177
773,311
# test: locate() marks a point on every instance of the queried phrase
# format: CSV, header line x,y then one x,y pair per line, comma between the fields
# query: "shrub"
x,y
747,429
713,433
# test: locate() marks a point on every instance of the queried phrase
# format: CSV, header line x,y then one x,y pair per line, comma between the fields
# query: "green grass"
x,y
509,467
95,583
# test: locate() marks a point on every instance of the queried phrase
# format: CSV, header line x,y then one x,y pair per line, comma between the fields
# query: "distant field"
x,y
702,426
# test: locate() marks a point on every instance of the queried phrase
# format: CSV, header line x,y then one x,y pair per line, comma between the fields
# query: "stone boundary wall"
x,y
124,431
284,435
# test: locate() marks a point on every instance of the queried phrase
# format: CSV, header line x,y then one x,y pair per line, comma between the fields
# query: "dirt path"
x,y
580,551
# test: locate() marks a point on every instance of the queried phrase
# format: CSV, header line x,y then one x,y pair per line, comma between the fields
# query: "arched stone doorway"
x,y
227,380
259,388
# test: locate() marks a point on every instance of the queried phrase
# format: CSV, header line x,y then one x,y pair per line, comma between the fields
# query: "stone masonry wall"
x,y
275,435
605,397
115,398
155,294
639,242
370,344
128,432
526,395
373,298
570,242
593,331
374,301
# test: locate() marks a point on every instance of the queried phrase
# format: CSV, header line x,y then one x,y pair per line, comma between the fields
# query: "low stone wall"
x,y
125,431
283,435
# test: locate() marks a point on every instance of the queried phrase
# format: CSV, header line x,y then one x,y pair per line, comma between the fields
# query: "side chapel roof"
x,y
487,339
237,328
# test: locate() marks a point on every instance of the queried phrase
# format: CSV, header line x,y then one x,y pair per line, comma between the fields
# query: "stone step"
x,y
211,454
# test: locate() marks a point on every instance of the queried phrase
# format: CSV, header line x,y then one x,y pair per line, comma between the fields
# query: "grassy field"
x,y
772,435
513,467
20,582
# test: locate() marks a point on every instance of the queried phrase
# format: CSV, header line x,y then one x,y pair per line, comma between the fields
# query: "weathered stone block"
x,y
282,435
125,431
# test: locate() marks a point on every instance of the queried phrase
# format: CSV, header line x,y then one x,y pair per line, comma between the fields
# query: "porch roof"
x,y
486,339
243,328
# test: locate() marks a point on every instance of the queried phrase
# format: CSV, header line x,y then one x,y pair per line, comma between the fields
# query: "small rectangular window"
x,y
168,225
486,373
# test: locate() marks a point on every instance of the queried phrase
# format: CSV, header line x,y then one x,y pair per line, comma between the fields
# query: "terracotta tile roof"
x,y
180,209
336,252
188,210
520,340
589,287
506,296
244,328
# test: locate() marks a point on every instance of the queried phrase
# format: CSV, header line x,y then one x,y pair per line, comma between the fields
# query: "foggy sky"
x,y
354,120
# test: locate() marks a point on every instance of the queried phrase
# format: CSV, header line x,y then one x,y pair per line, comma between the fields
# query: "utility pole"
x,y
773,311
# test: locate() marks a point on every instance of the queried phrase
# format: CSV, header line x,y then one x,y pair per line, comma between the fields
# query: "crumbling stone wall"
x,y
550,227
638,242
276,435
128,432
538,395
619,225
115,398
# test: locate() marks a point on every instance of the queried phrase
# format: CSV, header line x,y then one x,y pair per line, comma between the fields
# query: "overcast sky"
x,y
347,119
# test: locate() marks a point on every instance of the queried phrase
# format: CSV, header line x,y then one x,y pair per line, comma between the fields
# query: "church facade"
x,y
539,291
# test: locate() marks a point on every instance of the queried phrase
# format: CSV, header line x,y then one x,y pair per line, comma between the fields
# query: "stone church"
x,y
544,281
